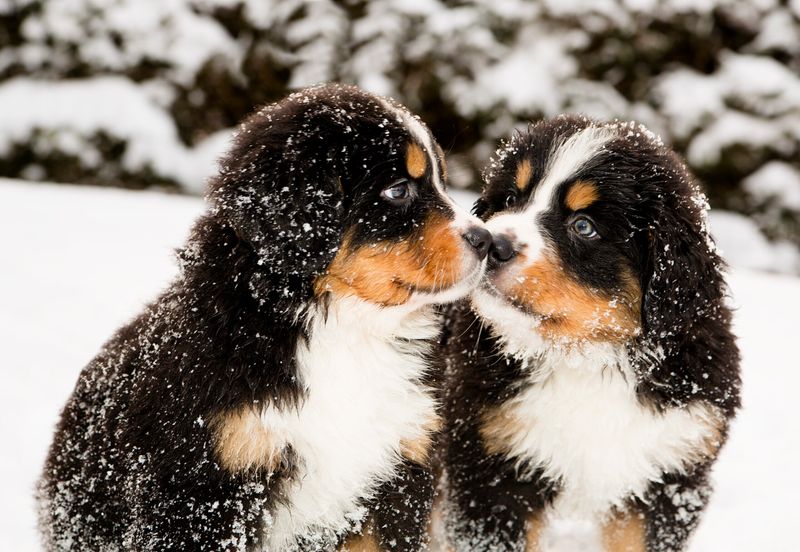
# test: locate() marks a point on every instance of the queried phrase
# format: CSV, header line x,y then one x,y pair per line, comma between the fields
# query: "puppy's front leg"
x,y
219,512
674,507
399,516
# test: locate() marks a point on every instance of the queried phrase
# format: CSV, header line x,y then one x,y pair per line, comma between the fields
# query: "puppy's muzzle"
x,y
501,250
479,239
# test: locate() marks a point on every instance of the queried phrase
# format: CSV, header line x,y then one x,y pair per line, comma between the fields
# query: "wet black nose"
x,y
502,250
480,239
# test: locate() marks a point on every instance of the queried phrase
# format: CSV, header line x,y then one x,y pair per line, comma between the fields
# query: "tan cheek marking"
x,y
362,542
243,443
581,195
366,273
418,450
571,310
416,160
382,273
524,172
625,533
438,254
534,532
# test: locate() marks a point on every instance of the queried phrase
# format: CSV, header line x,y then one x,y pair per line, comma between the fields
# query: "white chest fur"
x,y
584,426
363,398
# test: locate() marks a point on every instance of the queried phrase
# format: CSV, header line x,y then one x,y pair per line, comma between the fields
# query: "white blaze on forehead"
x,y
423,136
566,159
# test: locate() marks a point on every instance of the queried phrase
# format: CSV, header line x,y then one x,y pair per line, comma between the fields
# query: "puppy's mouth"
x,y
458,289
487,285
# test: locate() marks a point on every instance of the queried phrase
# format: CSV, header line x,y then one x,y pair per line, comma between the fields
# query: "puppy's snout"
x,y
480,239
501,250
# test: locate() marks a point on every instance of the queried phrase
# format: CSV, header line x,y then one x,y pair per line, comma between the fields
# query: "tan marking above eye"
x,y
524,172
581,194
416,160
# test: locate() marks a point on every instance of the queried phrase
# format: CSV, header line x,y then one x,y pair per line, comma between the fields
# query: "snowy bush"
x,y
146,88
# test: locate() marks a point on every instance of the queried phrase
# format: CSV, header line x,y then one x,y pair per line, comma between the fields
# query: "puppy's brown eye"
x,y
401,191
511,199
584,227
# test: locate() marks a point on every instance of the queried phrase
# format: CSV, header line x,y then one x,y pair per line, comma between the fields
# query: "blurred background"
x,y
145,93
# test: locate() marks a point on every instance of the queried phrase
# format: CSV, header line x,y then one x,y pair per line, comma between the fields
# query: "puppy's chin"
x,y
474,275
519,329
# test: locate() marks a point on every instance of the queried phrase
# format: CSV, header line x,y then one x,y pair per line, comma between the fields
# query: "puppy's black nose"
x,y
502,250
480,239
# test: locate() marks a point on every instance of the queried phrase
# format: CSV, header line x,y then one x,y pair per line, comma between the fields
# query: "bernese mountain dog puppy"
x,y
594,374
277,396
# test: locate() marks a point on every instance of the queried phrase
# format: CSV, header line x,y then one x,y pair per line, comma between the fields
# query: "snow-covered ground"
x,y
75,263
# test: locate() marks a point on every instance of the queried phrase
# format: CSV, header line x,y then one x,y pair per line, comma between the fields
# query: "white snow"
x,y
778,31
761,83
81,108
744,246
737,128
78,262
775,180
118,34
688,99
750,101
535,86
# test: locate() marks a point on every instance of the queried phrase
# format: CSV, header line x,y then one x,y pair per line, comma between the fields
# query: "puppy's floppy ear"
x,y
686,323
683,284
279,190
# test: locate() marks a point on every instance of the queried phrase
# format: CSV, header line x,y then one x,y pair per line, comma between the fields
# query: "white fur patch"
x,y
364,397
567,158
518,331
583,425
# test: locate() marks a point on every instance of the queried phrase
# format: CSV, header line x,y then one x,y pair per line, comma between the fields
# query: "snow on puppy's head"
x,y
600,236
341,193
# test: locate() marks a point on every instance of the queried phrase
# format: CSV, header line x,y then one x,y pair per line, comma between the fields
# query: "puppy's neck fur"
x,y
579,420
362,373
368,321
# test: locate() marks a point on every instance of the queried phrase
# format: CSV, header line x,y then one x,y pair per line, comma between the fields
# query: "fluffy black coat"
x,y
132,465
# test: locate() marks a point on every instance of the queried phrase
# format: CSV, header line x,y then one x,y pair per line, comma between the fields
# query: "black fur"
x,y
132,466
651,219
489,505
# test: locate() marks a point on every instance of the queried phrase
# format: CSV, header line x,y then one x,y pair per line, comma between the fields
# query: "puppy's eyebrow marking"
x,y
581,195
416,160
524,172
566,159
